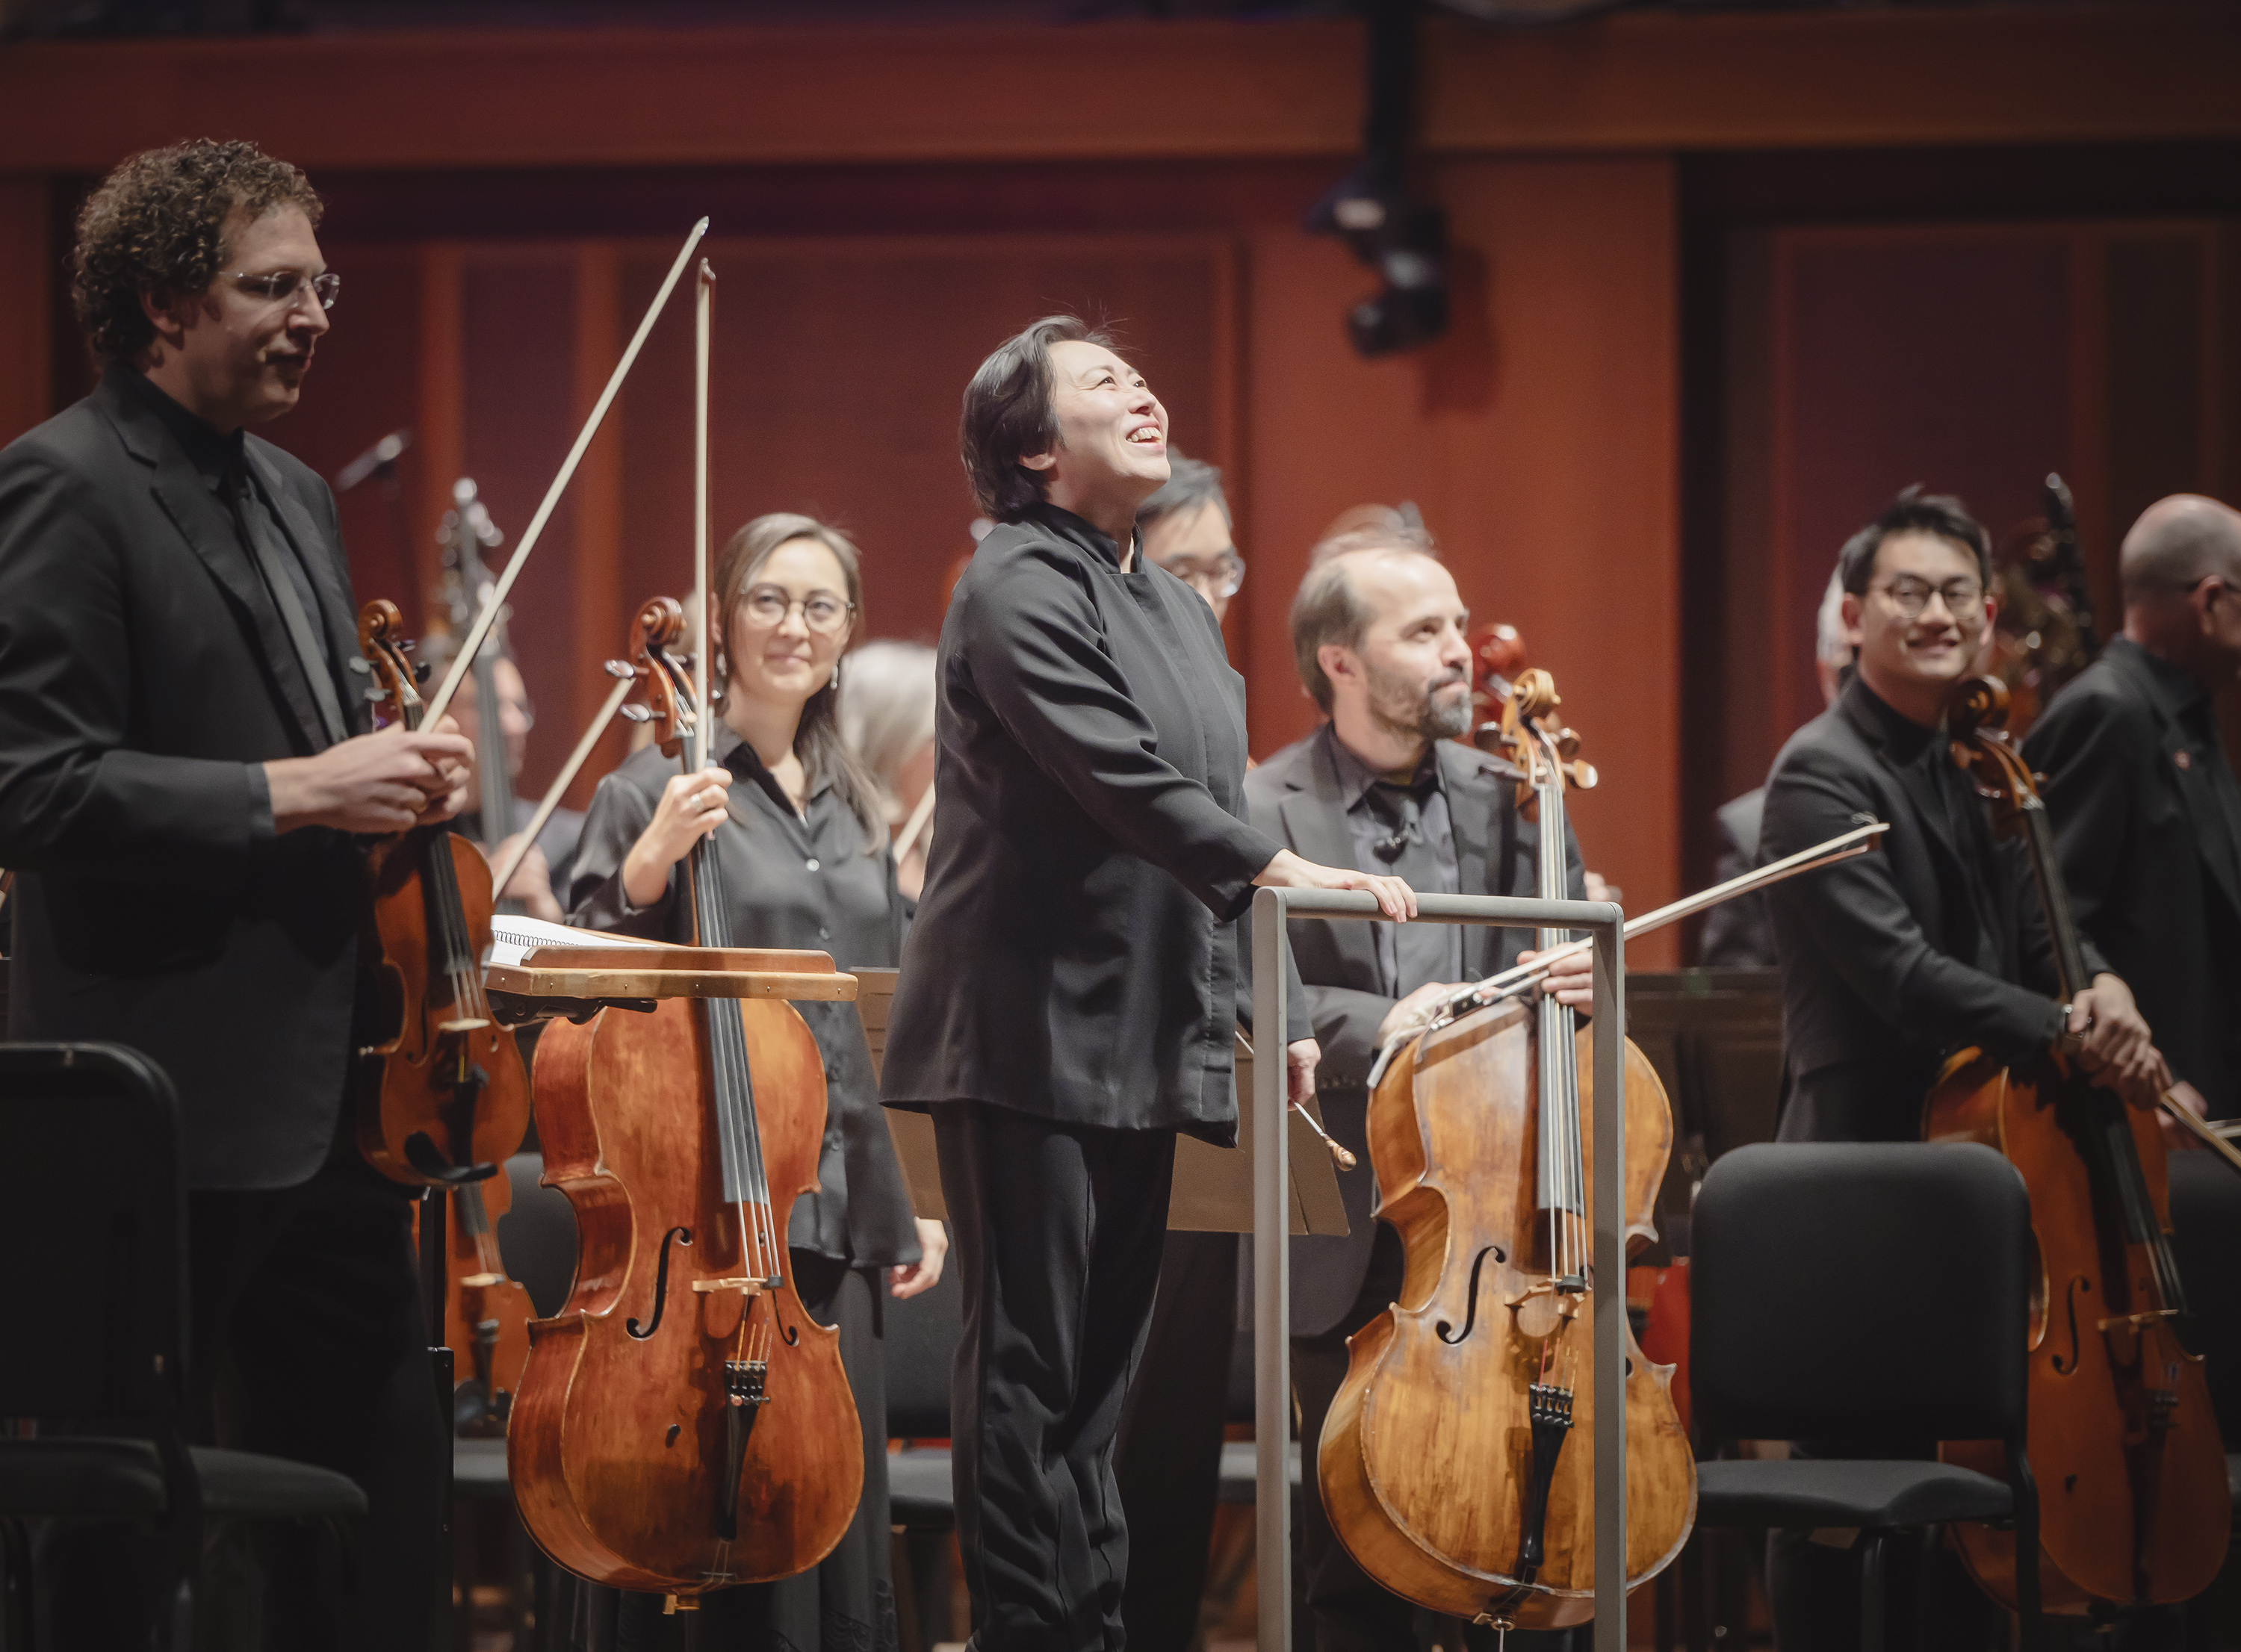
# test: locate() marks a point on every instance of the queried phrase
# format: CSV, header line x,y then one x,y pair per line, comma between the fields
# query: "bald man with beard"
x,y
2146,811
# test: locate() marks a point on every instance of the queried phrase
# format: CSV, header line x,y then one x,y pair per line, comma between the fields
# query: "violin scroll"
x,y
658,628
382,640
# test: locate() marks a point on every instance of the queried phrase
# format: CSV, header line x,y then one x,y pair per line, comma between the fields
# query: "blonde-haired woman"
x,y
887,717
802,844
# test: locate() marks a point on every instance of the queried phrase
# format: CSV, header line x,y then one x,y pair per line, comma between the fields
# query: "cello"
x,y
1448,1465
443,1094
2134,1504
681,1137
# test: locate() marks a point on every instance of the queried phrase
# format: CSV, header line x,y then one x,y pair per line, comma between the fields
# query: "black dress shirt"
x,y
791,880
222,462
1408,832
1075,951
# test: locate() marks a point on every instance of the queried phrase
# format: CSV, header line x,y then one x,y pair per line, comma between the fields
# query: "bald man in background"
x,y
2146,811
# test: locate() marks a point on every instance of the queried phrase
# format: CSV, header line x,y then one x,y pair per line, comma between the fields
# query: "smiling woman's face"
x,y
1111,431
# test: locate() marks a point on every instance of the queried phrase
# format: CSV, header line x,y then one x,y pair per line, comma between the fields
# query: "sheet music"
x,y
513,938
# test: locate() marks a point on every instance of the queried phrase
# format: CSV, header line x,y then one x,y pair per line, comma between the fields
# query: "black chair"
x,y
1866,1292
94,1229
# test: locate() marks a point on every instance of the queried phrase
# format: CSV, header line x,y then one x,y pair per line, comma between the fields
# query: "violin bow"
x,y
1860,840
525,838
471,644
2206,1133
704,317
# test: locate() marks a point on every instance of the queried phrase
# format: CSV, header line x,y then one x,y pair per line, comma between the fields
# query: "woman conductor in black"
x,y
1069,989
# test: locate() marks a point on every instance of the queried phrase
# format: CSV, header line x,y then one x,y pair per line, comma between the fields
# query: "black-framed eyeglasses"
x,y
822,612
286,286
1963,597
1220,577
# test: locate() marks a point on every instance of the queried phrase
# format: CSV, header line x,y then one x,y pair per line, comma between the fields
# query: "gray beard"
x,y
1397,707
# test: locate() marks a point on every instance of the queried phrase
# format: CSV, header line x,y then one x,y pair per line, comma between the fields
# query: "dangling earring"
x,y
836,676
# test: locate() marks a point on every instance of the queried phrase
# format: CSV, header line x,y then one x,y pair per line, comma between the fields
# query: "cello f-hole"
x,y
682,1236
1447,1333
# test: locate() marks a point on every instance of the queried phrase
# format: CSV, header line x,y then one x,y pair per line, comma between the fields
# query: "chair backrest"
x,y
1860,1290
536,1237
93,1227
921,1336
2206,1208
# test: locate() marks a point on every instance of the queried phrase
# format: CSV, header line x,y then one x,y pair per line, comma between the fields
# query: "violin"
x,y
1457,1464
639,1450
442,1095
2134,1503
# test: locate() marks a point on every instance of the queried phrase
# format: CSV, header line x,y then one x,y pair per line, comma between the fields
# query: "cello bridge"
x,y
745,1287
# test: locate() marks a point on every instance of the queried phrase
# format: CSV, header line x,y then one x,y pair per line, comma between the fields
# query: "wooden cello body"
x,y
1428,1457
682,1424
618,1448
2134,1503
1457,1462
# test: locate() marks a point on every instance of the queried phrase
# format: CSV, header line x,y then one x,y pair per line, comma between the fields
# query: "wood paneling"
x,y
1127,89
1538,439
28,279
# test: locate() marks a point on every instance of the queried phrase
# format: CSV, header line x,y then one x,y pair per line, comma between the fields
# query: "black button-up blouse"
x,y
791,881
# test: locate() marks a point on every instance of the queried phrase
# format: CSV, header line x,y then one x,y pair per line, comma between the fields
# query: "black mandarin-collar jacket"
x,y
1075,954
1892,960
2146,817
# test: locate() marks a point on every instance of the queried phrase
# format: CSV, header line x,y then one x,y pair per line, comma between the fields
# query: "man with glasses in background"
x,y
184,788
1186,529
1893,961
2146,811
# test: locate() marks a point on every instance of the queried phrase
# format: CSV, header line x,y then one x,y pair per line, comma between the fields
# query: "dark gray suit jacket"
x,y
1881,956
1075,955
145,677
2142,826
1295,798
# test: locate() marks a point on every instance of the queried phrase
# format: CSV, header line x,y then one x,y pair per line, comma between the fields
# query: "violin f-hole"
x,y
1447,1332
2069,1306
682,1236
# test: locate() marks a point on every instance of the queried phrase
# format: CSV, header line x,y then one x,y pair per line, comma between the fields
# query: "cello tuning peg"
x,y
359,664
376,695
635,714
620,668
1584,776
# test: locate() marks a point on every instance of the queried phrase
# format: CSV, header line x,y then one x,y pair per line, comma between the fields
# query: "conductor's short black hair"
x,y
1008,415
1913,512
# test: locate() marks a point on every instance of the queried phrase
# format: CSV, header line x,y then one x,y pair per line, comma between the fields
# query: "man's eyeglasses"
x,y
822,612
1219,577
1964,598
286,286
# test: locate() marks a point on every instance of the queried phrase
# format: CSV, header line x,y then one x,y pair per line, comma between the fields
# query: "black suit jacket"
x,y
145,677
1075,955
1295,797
1881,954
2148,857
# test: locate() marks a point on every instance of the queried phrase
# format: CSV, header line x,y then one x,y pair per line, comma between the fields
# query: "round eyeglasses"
x,y
1963,597
1218,577
822,612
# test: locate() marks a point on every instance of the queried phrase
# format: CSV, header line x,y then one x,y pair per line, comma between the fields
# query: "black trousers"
x,y
307,1340
1169,1457
1058,1235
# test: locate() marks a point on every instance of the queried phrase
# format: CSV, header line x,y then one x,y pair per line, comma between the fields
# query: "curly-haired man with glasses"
x,y
183,777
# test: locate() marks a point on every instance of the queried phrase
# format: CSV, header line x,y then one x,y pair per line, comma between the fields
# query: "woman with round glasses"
x,y
802,847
